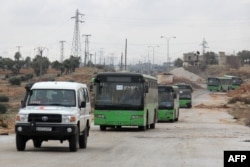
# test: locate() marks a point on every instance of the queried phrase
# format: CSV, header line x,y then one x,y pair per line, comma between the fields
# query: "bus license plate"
x,y
46,129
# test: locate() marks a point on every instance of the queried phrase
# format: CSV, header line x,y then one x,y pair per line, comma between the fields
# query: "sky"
x,y
29,24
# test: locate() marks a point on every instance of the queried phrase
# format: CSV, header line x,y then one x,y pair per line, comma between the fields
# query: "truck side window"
x,y
86,94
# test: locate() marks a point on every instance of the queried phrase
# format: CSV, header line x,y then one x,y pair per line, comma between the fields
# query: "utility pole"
x,y
101,55
40,52
62,50
121,61
76,43
126,54
18,48
86,53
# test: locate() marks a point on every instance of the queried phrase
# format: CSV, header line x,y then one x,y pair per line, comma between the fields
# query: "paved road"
x,y
198,139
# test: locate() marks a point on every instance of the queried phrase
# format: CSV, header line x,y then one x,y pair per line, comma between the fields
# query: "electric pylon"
x,y
86,53
76,43
204,46
62,50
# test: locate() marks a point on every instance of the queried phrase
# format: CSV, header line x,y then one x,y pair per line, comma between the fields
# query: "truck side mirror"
x,y
83,104
22,104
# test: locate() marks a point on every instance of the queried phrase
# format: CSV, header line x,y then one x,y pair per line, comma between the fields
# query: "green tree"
x,y
210,58
71,64
178,62
8,63
244,56
27,62
40,65
18,63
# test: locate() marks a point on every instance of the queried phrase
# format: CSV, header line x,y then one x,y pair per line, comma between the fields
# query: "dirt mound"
x,y
240,102
210,106
182,73
243,90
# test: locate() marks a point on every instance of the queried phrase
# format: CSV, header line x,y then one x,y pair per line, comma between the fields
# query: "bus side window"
x,y
146,88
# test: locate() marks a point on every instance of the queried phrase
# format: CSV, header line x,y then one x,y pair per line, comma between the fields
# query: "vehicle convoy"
x,y
236,81
219,84
54,111
185,93
168,103
125,99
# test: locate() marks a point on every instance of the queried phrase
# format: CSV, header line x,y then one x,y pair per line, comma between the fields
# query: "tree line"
x,y
39,64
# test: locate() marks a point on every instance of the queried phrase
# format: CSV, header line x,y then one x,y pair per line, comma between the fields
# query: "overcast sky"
x,y
225,25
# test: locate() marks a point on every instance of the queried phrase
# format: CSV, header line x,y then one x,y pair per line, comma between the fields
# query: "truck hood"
x,y
48,110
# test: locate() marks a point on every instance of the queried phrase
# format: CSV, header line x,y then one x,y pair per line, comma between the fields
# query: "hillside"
x,y
16,93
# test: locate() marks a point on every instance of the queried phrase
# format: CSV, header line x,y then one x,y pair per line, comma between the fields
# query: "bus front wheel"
x,y
102,127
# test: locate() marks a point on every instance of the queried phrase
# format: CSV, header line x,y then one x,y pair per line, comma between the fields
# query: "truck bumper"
x,y
46,132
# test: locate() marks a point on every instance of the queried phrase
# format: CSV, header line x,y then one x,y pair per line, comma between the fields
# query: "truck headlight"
x,y
68,118
22,118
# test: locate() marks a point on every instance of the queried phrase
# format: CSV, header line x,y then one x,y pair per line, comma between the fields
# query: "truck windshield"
x,y
50,97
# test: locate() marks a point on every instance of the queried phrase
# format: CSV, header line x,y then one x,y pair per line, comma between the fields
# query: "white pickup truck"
x,y
55,110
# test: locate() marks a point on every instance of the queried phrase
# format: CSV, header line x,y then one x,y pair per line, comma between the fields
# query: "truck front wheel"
x,y
83,138
73,142
20,142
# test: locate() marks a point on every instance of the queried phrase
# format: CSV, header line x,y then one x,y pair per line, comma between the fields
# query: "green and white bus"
x,y
236,81
168,103
213,84
185,93
220,84
125,99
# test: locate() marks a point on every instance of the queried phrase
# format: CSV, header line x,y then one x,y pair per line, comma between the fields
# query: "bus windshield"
x,y
118,94
236,80
213,81
185,94
165,99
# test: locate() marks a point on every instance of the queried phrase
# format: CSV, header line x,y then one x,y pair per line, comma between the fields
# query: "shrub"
x,y
15,81
4,98
3,109
28,76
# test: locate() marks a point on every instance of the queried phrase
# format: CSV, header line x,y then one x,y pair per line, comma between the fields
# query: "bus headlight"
x,y
22,118
136,116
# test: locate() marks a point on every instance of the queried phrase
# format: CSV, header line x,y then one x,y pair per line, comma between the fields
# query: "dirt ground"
x,y
238,103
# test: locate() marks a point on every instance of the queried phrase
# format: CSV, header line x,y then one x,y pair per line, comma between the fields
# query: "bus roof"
x,y
125,73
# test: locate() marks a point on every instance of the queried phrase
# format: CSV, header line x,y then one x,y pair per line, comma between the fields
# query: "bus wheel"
x,y
152,126
102,127
142,128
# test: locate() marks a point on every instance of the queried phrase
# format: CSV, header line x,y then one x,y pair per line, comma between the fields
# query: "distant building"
x,y
222,58
192,59
232,60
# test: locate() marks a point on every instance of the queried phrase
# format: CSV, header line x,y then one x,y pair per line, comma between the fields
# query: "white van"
x,y
55,110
